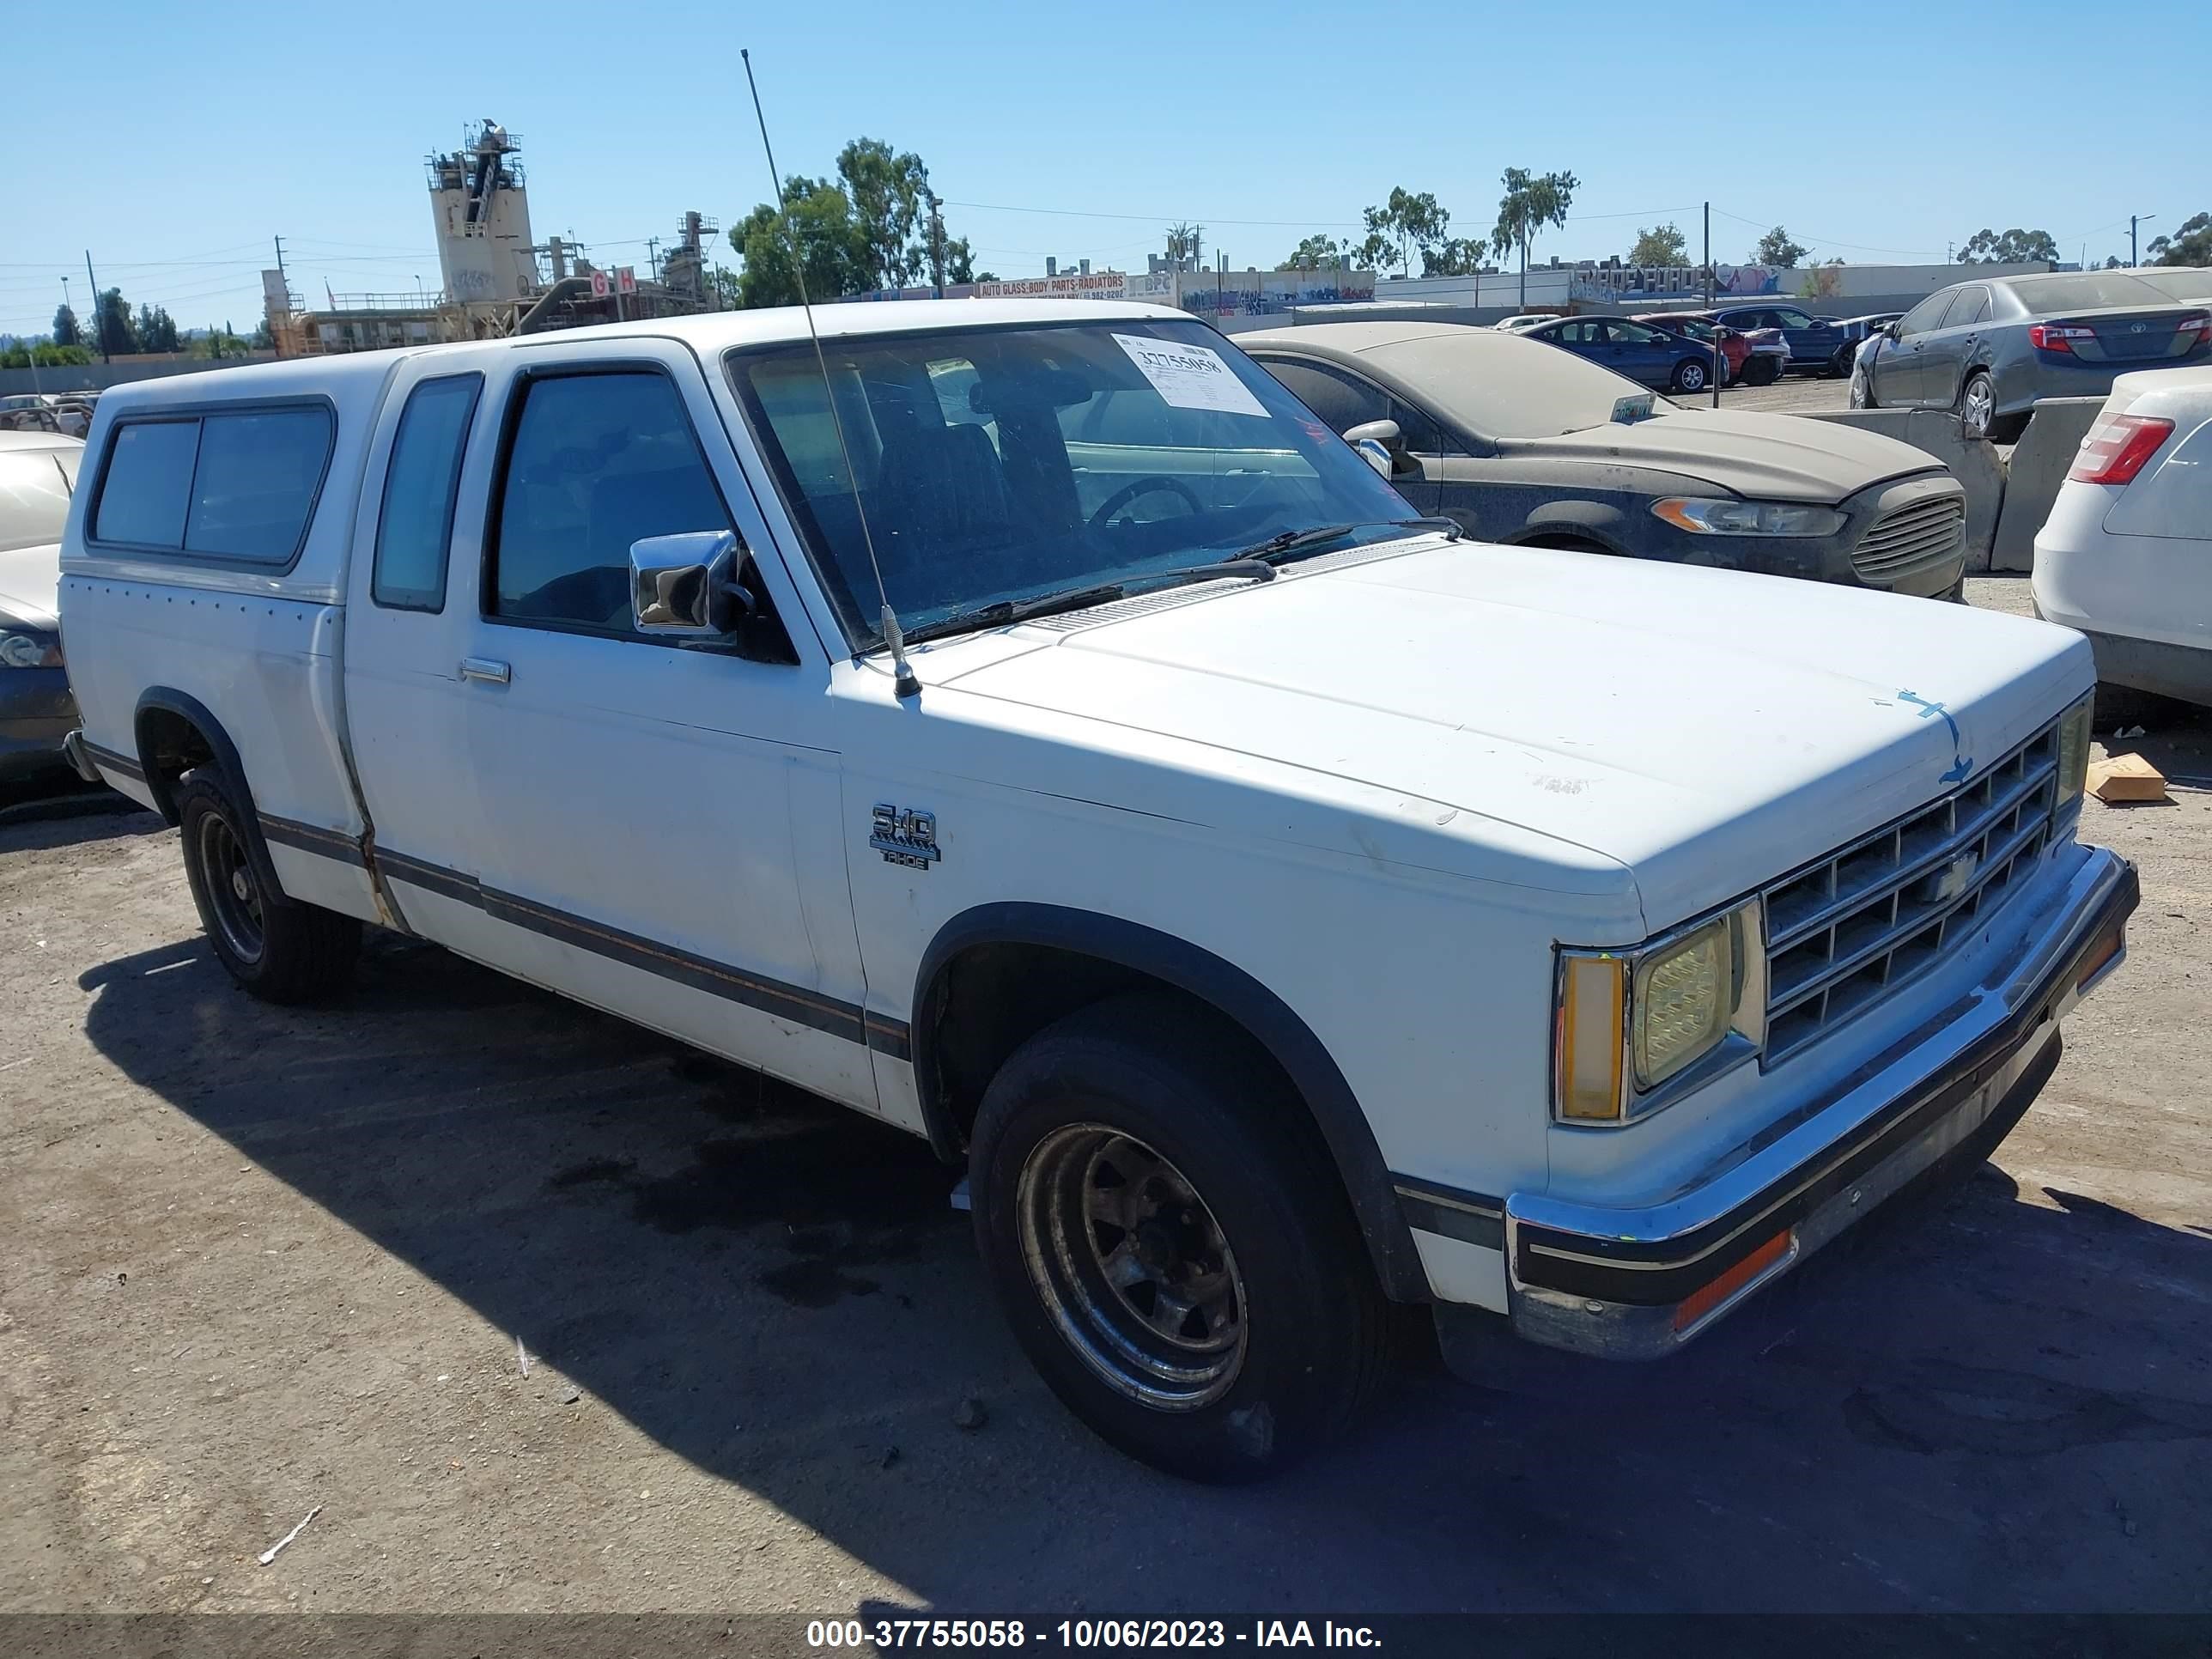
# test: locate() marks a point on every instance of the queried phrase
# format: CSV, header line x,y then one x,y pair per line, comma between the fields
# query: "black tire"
x,y
1691,374
1839,366
277,948
1761,370
1239,1192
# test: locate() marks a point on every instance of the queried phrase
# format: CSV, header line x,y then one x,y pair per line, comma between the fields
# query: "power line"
x,y
1824,241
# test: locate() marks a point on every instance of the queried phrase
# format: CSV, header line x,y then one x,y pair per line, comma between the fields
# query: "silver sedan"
x,y
1988,349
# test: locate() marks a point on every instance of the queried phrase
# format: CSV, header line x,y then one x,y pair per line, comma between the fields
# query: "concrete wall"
x,y
97,376
2038,465
1975,464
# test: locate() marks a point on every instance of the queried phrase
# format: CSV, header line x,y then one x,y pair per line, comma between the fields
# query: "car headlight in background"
x,y
1631,1026
1703,516
2073,755
29,647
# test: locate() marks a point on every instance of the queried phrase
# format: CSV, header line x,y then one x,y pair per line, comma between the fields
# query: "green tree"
x,y
2191,244
1185,241
2014,248
1531,202
1455,256
1661,245
1778,248
111,324
889,191
832,251
66,332
1406,221
1317,252
156,329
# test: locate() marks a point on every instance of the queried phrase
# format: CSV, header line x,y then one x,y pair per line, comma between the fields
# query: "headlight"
x,y
1631,1025
1703,516
1685,995
25,647
2073,755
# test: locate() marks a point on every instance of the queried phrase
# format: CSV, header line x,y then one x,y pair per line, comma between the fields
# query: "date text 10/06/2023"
x,y
1085,1634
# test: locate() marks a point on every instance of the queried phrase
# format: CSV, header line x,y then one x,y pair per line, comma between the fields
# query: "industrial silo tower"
x,y
483,215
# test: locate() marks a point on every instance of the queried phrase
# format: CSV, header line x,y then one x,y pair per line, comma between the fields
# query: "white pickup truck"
x,y
1282,908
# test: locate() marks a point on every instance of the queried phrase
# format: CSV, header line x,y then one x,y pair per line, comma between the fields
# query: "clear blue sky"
x,y
209,128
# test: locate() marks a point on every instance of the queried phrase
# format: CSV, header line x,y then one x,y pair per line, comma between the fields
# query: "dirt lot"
x,y
259,1261
1793,394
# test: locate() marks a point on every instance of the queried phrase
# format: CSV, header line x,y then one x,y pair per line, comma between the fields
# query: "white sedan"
x,y
2126,554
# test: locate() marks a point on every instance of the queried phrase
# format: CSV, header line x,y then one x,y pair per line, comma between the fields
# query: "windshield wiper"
x,y
1284,542
1001,613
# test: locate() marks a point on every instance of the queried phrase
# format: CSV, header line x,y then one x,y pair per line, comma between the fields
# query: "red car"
x,y
1735,350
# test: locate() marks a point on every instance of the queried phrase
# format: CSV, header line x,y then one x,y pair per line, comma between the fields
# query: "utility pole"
x,y
2135,256
99,322
936,244
653,257
281,276
1708,255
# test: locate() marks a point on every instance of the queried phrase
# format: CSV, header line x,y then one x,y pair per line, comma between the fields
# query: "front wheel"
x,y
277,948
1690,375
1170,1244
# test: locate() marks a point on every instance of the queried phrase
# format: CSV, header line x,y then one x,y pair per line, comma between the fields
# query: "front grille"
x,y
1846,931
1911,538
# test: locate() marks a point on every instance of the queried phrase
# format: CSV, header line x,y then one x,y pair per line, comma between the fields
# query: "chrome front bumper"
x,y
1639,1282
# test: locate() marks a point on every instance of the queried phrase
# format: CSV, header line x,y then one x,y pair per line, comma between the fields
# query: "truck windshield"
x,y
34,496
1006,462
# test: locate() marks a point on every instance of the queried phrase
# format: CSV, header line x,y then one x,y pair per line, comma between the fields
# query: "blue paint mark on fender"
x,y
1961,762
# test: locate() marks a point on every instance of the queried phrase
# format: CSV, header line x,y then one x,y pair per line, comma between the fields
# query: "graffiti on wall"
x,y
1622,283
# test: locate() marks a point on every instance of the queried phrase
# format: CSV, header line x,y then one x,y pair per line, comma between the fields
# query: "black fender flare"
x,y
1232,991
187,706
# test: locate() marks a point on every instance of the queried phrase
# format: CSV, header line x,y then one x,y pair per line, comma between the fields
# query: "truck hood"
x,y
30,586
1707,729
1775,458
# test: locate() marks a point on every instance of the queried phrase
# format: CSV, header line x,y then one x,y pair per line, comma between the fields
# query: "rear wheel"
x,y
1690,375
1978,406
1763,369
1170,1244
277,948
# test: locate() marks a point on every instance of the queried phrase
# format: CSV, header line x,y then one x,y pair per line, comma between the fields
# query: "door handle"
x,y
488,670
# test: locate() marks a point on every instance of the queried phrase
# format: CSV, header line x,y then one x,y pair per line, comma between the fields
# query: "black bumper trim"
x,y
1432,1207
108,760
1651,1275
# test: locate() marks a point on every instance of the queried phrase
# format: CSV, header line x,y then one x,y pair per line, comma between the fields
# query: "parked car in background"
x,y
1524,319
37,475
1862,328
1818,345
1989,347
1650,356
28,411
2126,554
1735,348
1519,442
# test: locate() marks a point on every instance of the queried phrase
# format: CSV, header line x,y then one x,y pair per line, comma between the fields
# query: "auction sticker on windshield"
x,y
1189,376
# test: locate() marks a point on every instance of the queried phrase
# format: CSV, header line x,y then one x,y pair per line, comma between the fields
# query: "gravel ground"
x,y
262,1260
1793,394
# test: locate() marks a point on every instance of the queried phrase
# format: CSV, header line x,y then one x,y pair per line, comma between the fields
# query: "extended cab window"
x,y
415,526
596,462
235,485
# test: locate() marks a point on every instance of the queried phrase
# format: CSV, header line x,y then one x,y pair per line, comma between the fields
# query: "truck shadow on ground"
x,y
1994,1399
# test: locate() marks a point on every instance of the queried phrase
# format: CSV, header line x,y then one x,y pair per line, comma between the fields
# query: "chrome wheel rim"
x,y
234,894
1979,400
1693,377
1132,1267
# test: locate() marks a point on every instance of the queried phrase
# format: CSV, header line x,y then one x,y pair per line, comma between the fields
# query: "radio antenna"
x,y
906,685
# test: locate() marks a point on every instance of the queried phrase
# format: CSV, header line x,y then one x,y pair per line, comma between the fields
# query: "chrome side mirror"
x,y
686,585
